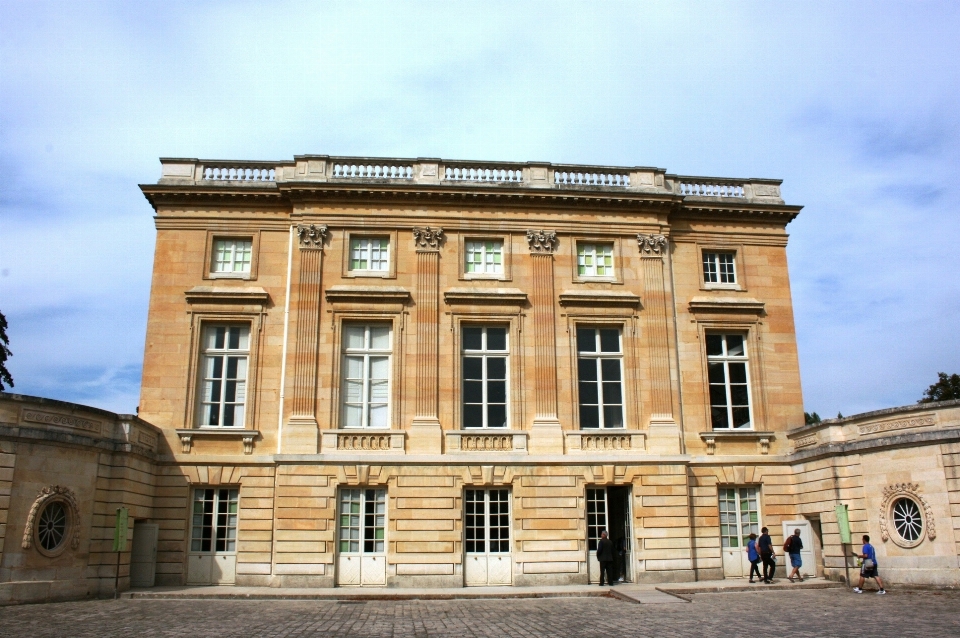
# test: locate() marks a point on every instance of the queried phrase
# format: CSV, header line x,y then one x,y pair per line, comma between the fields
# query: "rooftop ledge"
x,y
306,170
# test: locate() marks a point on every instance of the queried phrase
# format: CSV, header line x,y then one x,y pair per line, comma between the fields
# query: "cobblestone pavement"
x,y
830,612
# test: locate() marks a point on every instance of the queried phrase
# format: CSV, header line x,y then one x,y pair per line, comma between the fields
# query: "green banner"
x,y
843,522
120,530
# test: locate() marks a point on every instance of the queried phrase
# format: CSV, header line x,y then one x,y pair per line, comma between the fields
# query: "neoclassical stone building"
x,y
434,373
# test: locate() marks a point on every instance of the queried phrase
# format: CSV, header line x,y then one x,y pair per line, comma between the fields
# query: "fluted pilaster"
x,y
547,436
426,435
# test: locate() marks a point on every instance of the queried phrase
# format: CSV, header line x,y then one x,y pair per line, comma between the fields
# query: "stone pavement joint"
x,y
801,614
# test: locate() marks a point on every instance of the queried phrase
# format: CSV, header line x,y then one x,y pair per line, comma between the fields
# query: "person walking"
x,y
869,568
754,557
793,546
605,556
767,555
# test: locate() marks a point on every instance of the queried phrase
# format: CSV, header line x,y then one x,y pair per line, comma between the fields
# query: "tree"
x,y
810,419
946,389
4,353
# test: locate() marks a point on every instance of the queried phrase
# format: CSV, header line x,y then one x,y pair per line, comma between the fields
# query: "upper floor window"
x,y
484,257
484,377
729,381
719,268
232,256
595,260
600,375
224,382
370,253
366,376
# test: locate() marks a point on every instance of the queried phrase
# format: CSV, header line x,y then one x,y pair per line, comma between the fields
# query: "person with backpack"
x,y
767,555
792,546
868,569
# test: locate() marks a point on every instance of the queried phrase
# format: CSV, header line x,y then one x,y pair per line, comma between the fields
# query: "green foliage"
x,y
839,416
810,419
4,354
946,389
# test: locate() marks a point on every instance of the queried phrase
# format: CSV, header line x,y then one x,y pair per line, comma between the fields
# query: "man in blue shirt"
x,y
869,567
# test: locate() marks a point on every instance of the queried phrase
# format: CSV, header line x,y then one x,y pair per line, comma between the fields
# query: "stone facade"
x,y
352,292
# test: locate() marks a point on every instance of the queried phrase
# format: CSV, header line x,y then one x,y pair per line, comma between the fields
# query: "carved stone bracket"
x,y
542,241
652,245
188,434
50,493
906,490
428,238
312,236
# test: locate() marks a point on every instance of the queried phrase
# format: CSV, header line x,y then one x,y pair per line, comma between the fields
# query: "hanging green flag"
x,y
120,530
843,522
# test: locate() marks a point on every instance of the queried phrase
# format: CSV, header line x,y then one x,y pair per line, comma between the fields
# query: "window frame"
x,y
739,274
362,526
204,353
199,321
506,242
484,354
598,356
367,353
486,515
214,236
616,276
392,247
233,496
738,512
726,359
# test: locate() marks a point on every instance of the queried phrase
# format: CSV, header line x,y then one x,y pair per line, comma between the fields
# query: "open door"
x,y
608,509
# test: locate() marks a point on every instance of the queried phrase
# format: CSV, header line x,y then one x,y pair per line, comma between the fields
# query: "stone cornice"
x,y
599,298
504,296
222,295
367,294
726,304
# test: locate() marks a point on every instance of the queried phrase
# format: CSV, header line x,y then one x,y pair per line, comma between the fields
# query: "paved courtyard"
x,y
826,612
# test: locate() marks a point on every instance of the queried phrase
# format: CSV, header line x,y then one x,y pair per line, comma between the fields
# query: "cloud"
x,y
855,105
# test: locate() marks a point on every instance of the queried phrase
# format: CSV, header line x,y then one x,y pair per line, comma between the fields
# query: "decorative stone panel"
x,y
362,441
585,441
486,441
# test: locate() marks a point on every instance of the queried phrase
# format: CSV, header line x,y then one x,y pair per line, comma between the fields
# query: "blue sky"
x,y
856,106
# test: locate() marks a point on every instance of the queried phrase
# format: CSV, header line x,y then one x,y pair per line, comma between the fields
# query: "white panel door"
x,y
143,555
486,523
362,554
809,568
212,556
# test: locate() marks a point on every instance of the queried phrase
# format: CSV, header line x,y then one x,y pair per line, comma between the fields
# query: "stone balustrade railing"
x,y
482,174
457,174
575,177
700,187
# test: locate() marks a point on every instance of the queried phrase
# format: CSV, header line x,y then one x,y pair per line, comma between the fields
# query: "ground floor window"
x,y
486,521
739,515
363,521
214,520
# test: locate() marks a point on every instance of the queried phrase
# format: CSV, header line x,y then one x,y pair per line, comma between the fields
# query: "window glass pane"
x,y
473,391
741,417
589,416
496,392
380,337
714,345
496,416
734,345
587,369
496,368
718,416
353,337
609,340
738,395
586,340
612,393
612,416
472,416
716,372
718,395
472,338
610,368
379,368
496,338
473,368
589,393
738,372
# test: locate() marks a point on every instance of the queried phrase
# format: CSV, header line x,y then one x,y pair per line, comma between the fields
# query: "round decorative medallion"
x,y
905,517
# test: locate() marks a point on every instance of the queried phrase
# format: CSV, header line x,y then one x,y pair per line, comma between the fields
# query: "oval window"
x,y
907,519
52,527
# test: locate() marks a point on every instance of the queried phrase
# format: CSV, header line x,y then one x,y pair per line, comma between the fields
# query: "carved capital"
x,y
652,245
542,242
311,236
428,238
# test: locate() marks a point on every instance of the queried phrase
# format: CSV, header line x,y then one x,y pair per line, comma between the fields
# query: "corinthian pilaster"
x,y
425,431
664,433
300,433
546,436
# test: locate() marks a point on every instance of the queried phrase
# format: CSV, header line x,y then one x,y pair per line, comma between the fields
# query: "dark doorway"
x,y
608,508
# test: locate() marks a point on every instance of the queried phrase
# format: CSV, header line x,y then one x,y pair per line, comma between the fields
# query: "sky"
x,y
855,105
